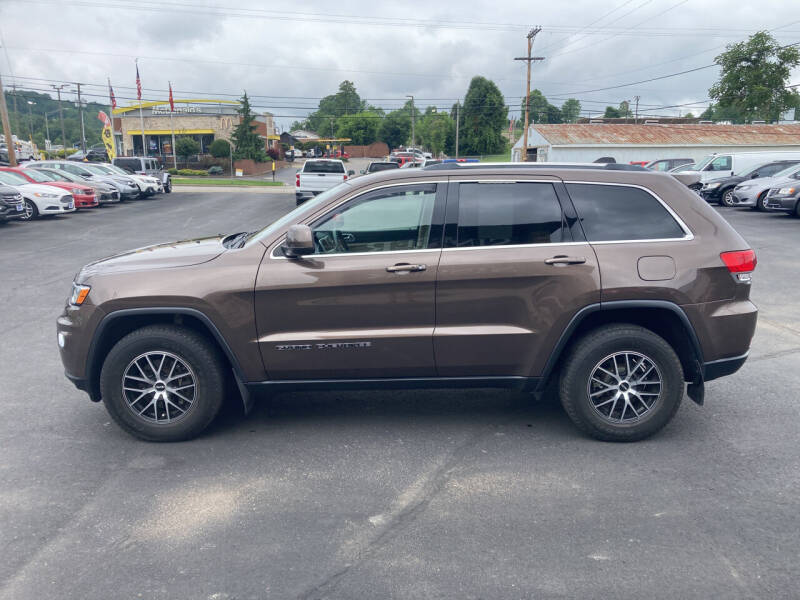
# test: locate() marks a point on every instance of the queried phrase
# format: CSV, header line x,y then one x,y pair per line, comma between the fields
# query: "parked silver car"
x,y
124,184
752,193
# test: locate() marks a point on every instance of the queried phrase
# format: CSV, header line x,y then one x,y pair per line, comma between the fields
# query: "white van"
x,y
725,164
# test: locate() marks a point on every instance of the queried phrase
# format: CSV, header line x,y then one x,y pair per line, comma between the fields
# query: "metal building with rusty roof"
x,y
652,141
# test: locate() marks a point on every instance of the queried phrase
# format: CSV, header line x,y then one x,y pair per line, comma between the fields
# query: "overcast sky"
x,y
287,55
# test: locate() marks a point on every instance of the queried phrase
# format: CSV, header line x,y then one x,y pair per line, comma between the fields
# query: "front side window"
x,y
390,219
502,214
720,163
661,165
621,213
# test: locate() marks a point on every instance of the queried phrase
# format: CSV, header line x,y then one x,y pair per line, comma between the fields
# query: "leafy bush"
x,y
172,171
215,170
220,149
192,172
187,146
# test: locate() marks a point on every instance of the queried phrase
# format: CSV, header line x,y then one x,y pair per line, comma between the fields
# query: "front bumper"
x,y
85,201
9,213
746,197
783,203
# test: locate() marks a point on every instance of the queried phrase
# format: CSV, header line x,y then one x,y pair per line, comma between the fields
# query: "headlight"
x,y
712,186
79,293
743,187
787,191
130,182
46,195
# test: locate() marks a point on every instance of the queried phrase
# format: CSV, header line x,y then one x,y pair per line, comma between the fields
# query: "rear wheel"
x,y
162,383
727,198
168,187
621,383
29,211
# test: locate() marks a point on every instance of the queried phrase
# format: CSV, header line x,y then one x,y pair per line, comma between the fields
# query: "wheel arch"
x,y
662,317
117,324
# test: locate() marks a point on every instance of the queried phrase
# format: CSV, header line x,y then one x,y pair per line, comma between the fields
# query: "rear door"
x,y
514,271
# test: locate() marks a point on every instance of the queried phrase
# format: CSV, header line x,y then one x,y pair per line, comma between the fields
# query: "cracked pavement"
x,y
394,494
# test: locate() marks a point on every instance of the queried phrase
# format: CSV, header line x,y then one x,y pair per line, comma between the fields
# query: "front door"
x,y
515,269
363,305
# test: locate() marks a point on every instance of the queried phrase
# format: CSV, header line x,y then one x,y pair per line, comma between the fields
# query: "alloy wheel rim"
x,y
159,387
624,387
28,210
727,198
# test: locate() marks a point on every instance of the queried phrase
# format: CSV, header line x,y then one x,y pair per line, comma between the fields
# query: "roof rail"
x,y
542,165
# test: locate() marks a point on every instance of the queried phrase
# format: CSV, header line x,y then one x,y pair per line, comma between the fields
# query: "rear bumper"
x,y
722,367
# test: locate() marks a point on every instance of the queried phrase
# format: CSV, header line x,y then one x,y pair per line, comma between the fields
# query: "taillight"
x,y
740,262
297,181
345,178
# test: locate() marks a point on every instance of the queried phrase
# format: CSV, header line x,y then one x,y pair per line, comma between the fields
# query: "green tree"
x,y
625,110
435,130
186,147
754,77
344,102
570,110
395,129
361,128
220,148
611,113
540,110
246,142
485,117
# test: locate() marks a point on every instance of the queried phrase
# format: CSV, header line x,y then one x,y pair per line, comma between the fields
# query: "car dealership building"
x,y
205,120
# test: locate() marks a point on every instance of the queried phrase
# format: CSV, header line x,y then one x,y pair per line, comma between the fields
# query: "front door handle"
x,y
406,268
565,260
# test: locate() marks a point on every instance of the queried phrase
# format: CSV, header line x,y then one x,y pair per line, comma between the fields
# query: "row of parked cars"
x,y
51,187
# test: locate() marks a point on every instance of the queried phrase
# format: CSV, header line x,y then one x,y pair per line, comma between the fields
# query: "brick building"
x,y
201,119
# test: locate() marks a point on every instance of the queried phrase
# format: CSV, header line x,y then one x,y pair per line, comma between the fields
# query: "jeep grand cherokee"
x,y
617,283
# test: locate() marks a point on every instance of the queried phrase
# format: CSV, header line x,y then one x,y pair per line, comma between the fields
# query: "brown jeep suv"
x,y
618,284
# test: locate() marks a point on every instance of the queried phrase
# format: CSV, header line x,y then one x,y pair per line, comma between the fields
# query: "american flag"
x,y
138,84
171,102
111,95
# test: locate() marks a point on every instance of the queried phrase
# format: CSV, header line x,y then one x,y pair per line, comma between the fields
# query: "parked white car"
x,y
40,200
148,185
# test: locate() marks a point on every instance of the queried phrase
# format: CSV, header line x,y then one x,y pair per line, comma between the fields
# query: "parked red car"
x,y
83,194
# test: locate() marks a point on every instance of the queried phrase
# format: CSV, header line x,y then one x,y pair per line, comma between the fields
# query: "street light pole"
x,y
30,120
58,88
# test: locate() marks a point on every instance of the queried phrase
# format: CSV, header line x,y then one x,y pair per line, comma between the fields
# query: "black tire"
x,y
168,187
195,351
726,198
761,202
29,212
796,212
298,199
590,352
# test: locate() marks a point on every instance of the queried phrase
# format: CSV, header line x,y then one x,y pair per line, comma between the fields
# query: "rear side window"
x,y
323,166
375,167
502,214
619,213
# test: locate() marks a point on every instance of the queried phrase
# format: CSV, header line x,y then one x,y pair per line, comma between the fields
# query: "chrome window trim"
x,y
501,246
687,233
355,194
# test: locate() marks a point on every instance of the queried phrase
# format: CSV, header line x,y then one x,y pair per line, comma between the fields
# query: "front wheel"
x,y
162,383
621,383
727,198
29,211
761,202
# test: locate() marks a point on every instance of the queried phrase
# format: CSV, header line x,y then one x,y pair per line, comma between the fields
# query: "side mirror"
x,y
754,176
299,241
351,172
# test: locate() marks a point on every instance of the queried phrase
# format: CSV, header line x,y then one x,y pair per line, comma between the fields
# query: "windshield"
x,y
38,176
292,215
12,178
97,169
114,169
62,176
324,166
701,165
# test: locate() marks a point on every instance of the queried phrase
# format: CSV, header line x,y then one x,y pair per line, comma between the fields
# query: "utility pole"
x,y
58,88
14,96
458,105
83,127
413,137
528,59
46,132
30,120
12,157
636,114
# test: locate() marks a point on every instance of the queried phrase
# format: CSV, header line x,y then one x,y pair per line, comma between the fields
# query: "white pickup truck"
x,y
318,175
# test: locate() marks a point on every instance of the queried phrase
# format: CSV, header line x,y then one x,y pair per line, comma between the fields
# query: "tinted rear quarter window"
x,y
375,167
618,213
323,167
500,214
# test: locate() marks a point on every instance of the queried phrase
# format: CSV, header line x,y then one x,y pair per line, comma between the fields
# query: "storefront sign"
x,y
178,109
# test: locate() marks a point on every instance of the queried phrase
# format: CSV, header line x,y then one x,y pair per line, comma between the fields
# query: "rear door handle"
x,y
565,260
406,268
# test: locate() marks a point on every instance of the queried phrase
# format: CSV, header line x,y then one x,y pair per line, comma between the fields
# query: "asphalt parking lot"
x,y
445,494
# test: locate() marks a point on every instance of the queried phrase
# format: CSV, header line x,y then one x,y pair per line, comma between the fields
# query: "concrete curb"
x,y
285,189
